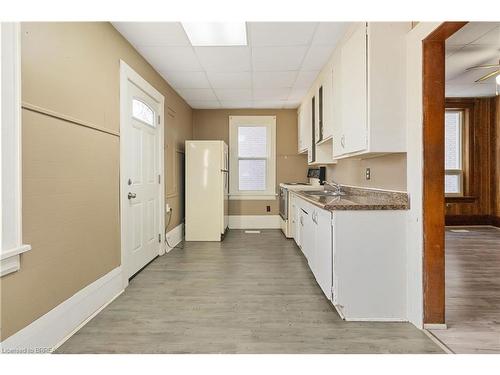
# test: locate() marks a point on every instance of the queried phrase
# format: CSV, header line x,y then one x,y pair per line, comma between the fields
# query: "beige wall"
x,y
211,124
71,172
387,172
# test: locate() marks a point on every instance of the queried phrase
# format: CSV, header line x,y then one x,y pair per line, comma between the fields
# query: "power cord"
x,y
166,226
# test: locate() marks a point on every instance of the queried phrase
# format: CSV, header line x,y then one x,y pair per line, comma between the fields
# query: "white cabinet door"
x,y
300,129
336,96
307,239
354,92
323,262
292,214
300,225
325,105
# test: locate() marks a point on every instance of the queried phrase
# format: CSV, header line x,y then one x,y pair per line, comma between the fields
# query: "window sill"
x,y
243,197
10,259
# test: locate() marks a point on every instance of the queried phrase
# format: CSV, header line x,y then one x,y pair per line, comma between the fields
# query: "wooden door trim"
x,y
433,92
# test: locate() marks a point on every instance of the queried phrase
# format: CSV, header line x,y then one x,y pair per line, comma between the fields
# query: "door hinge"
x,y
159,178
159,237
158,119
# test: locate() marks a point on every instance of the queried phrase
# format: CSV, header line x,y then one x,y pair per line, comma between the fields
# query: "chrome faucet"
x,y
336,186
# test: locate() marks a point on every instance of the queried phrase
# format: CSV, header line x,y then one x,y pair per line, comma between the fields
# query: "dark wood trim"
x,y
495,221
433,50
469,220
467,105
444,31
464,199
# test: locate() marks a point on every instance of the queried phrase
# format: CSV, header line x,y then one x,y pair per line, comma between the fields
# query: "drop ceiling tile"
x,y
274,79
224,59
268,103
236,104
153,33
271,94
267,59
169,59
281,33
238,80
291,104
316,57
329,33
197,94
297,94
187,80
305,79
204,104
234,94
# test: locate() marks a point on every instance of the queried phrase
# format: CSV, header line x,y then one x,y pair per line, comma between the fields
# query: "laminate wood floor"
x,y
472,291
252,293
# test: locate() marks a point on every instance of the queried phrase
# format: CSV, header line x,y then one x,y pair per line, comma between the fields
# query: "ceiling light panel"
x,y
216,33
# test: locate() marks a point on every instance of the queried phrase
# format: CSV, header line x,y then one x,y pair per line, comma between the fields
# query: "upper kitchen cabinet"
x,y
317,120
369,91
304,128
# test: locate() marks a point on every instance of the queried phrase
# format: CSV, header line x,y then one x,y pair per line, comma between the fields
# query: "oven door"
x,y
284,203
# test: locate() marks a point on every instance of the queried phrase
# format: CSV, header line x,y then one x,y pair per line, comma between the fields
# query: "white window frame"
x,y
10,145
460,171
234,123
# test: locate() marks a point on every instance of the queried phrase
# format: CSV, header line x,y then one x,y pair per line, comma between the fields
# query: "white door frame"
x,y
128,74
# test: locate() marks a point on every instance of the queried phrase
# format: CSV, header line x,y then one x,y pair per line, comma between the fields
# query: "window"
x,y
142,112
253,157
453,155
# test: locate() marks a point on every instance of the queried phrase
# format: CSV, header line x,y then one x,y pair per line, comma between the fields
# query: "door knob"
x,y
131,195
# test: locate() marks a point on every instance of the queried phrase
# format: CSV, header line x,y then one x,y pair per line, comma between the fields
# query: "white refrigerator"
x,y
207,190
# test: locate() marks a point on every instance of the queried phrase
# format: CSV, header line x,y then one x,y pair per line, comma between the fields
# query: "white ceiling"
x,y
275,70
477,43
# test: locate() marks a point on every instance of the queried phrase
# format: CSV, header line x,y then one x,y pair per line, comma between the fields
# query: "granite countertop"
x,y
359,199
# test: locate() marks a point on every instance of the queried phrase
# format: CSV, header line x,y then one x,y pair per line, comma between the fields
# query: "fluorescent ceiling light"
x,y
216,33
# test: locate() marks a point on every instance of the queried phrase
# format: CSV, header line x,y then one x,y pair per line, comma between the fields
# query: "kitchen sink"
x,y
325,193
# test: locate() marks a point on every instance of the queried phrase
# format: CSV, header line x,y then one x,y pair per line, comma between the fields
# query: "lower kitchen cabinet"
x,y
307,232
315,240
322,263
358,259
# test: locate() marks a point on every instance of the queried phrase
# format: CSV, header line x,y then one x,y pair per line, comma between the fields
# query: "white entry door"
x,y
141,176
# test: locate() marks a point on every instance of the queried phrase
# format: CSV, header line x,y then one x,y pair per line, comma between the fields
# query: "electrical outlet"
x,y
268,208
368,173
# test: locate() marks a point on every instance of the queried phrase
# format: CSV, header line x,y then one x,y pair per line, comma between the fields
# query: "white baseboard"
x,y
254,222
174,237
52,329
435,326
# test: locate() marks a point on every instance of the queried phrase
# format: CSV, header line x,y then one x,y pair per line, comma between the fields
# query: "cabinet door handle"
x,y
342,141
